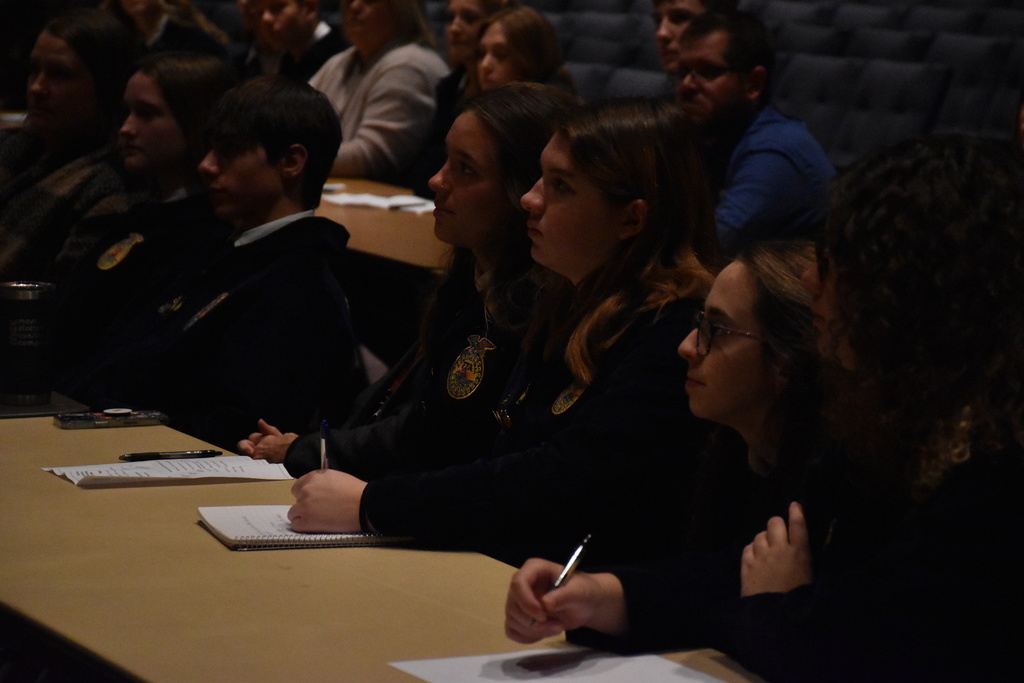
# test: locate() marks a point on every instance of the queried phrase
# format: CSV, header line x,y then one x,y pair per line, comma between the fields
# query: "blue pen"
x,y
324,428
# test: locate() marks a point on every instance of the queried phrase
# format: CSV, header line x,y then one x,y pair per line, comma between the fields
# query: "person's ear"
x,y
292,163
779,374
756,82
634,218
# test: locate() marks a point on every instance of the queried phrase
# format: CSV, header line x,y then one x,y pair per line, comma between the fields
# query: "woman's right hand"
x,y
267,444
533,611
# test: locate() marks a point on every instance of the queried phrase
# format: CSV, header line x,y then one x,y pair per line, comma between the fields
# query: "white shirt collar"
x,y
261,231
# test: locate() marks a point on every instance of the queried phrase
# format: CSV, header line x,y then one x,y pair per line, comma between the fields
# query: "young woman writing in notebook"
x,y
596,435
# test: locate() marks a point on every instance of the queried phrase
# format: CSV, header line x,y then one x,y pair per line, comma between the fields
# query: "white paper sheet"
x,y
191,470
406,202
552,665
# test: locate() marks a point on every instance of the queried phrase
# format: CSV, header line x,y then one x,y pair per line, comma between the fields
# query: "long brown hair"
x,y
533,45
784,320
519,119
633,149
191,84
108,49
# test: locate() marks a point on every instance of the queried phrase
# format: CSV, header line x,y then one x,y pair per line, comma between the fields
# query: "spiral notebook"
x,y
266,527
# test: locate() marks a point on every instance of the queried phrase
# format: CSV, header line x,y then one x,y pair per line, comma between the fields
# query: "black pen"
x,y
168,455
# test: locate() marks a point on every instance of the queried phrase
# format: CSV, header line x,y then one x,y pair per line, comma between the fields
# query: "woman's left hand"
x,y
326,501
779,559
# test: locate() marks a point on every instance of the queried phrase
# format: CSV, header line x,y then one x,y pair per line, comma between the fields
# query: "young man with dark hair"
x,y
671,17
306,41
767,172
260,328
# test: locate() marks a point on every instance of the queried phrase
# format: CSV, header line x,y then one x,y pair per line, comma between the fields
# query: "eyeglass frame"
x,y
700,73
701,320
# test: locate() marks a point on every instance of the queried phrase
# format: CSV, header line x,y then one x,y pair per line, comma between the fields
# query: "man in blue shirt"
x,y
768,174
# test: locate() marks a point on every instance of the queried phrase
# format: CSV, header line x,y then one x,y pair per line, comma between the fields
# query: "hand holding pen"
x,y
536,608
570,568
324,431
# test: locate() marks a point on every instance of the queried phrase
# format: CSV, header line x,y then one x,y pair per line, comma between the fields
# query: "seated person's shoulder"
x,y
416,57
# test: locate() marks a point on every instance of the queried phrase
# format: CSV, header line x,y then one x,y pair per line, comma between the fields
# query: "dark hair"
x,y
533,45
711,5
519,118
191,84
108,51
750,42
634,149
926,243
784,319
274,112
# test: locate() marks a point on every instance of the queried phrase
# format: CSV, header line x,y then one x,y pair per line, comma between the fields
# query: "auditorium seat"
x,y
589,79
546,6
952,19
584,48
615,6
1002,114
978,64
815,39
818,89
625,28
776,12
886,43
1002,21
627,82
850,16
974,4
893,101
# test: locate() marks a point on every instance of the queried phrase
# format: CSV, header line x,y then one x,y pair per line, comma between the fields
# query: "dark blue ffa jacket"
x,y
409,420
615,463
142,251
263,331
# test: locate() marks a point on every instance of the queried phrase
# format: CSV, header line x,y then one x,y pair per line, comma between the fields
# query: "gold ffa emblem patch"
x,y
117,252
468,369
567,398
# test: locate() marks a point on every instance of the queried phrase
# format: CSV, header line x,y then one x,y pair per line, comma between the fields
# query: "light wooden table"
x,y
398,235
129,576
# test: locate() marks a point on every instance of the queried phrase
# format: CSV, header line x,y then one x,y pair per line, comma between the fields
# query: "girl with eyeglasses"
x,y
754,370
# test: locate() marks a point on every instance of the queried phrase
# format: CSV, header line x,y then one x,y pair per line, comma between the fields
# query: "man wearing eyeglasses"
x,y
294,28
768,174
